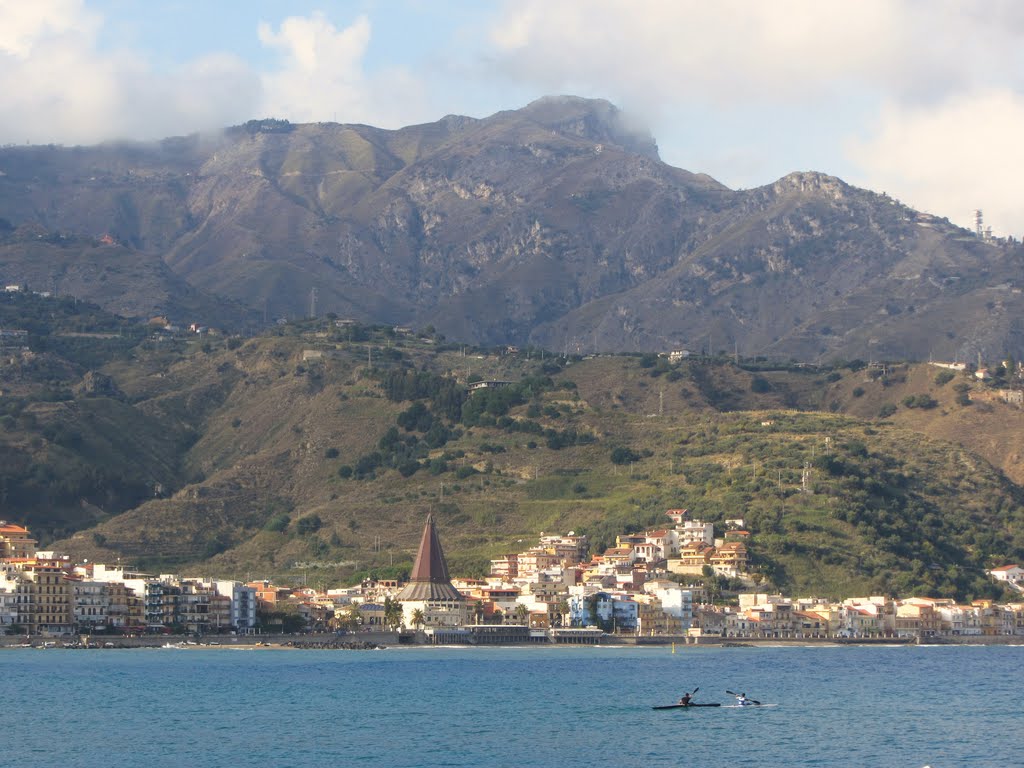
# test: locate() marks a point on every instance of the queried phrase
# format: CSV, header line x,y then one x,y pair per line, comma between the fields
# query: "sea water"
x,y
835,706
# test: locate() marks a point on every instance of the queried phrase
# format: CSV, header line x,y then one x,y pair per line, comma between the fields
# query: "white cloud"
x,y
731,52
787,80
57,86
952,158
321,77
24,24
724,53
322,68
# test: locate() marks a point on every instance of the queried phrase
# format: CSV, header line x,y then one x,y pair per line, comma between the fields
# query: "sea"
x,y
900,706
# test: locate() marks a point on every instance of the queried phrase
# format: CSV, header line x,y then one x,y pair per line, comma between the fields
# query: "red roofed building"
x,y
1010,574
15,541
730,559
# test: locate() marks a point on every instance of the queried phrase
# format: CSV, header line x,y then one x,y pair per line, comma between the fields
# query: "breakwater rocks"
x,y
331,645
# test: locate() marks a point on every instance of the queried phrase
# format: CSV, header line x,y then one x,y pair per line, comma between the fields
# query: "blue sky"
x,y
922,99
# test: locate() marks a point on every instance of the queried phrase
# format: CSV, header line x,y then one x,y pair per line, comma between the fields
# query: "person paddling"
x,y
742,700
686,698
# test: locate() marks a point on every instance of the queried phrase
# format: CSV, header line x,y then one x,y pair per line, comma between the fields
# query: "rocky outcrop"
x,y
556,224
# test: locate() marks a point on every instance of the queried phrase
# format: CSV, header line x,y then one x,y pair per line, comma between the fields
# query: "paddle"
x,y
752,701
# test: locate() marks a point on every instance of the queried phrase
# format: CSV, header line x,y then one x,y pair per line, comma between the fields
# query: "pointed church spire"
x,y
430,563
429,579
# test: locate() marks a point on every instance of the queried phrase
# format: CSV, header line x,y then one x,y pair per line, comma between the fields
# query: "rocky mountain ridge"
x,y
556,224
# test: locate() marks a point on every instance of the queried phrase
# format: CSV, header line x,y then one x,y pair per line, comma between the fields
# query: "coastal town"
x,y
651,587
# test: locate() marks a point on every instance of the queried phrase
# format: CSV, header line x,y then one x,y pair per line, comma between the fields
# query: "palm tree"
x,y
417,617
353,618
561,611
478,611
392,613
522,613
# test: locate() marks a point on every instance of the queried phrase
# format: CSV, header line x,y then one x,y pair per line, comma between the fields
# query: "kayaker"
x,y
684,700
742,700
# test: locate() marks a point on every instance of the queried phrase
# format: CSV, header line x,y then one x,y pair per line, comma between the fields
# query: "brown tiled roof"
x,y
429,578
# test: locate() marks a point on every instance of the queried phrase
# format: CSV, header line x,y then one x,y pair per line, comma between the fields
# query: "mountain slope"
x,y
299,463
555,224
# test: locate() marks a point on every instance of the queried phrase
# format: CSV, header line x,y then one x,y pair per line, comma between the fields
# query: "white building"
x,y
1011,575
243,604
675,601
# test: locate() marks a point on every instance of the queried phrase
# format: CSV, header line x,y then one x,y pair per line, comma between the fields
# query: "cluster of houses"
x,y
638,587
553,591
43,593
164,327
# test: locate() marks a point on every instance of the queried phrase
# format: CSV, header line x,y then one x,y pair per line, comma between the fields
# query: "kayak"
x,y
685,706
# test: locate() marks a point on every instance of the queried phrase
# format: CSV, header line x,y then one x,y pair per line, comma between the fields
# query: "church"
x,y
430,591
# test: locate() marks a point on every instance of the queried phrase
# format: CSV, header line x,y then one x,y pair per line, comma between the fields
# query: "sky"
x,y
921,99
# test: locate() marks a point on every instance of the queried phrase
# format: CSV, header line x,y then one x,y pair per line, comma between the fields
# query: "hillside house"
x,y
1012,396
506,566
692,558
619,556
1012,575
730,559
488,384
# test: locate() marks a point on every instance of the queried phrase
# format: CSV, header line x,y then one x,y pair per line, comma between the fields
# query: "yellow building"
x,y
43,598
15,541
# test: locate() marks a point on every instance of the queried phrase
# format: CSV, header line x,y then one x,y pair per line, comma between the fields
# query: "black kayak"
x,y
685,706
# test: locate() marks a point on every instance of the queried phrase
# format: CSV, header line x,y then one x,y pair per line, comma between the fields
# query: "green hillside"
x,y
316,451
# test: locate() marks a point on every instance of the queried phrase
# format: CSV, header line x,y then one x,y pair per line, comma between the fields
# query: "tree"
x,y
561,611
478,611
623,455
417,618
309,524
392,613
353,618
522,614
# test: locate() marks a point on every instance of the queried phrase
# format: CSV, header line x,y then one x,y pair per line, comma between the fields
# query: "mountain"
x,y
555,225
318,450
124,281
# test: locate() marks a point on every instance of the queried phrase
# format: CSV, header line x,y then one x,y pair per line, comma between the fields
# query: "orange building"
x,y
15,541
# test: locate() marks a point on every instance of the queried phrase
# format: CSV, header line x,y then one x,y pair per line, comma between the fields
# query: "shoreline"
x,y
382,640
